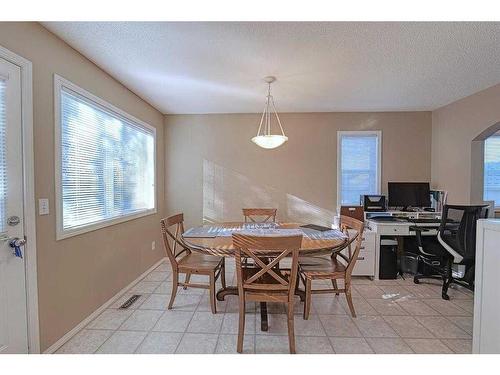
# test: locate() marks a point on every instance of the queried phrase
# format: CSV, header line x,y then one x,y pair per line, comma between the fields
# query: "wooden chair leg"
x,y
175,285
241,324
186,280
223,274
348,296
212,294
334,283
291,332
307,303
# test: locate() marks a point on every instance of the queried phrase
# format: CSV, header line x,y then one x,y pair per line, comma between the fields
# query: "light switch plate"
x,y
43,206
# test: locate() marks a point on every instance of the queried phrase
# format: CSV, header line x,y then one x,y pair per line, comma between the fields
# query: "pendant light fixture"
x,y
264,138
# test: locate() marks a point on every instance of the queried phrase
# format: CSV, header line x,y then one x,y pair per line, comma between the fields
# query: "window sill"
x,y
64,234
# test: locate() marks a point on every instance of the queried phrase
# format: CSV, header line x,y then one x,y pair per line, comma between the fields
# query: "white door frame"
x,y
29,196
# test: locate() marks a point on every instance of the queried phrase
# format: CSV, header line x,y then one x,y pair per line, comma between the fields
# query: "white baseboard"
x,y
63,340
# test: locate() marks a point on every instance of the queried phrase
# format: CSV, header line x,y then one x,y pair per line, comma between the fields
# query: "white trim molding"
x,y
61,83
29,195
378,134
63,340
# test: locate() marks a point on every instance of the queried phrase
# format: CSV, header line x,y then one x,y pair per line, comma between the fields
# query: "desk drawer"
x,y
394,230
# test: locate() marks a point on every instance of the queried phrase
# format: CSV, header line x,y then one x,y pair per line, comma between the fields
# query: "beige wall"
x,y
453,129
77,275
213,169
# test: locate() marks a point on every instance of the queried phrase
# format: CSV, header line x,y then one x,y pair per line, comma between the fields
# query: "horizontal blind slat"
x,y
107,164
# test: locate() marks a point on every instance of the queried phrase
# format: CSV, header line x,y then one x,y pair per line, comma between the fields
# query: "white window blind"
x,y
107,164
492,169
359,169
3,157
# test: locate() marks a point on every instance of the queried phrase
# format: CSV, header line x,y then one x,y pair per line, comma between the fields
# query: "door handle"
x,y
16,243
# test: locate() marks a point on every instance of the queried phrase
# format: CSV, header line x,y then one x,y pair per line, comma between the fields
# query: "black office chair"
x,y
455,243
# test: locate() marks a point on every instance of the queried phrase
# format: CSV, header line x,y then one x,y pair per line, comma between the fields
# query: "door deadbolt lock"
x,y
13,220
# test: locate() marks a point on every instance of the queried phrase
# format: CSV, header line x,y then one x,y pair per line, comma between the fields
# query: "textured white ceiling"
x,y
203,67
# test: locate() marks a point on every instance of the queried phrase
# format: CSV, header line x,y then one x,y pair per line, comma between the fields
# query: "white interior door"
x,y
13,317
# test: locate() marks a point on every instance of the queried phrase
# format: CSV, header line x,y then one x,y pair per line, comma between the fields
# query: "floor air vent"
x,y
130,301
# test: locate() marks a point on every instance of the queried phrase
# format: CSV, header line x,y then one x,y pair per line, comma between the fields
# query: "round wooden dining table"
x,y
216,239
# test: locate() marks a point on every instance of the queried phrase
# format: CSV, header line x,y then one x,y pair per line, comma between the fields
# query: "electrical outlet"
x,y
153,245
43,206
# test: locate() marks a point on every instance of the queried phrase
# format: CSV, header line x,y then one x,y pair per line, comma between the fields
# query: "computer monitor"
x,y
406,194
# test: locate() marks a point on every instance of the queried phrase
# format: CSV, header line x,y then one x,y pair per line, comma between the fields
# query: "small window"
x,y
492,169
358,165
105,163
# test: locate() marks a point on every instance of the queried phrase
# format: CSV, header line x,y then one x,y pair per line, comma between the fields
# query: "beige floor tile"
x,y
389,345
464,322
446,308
408,327
395,291
350,345
328,304
277,323
386,307
160,343
465,304
374,326
339,326
417,307
110,319
157,276
271,344
145,287
155,302
313,345
197,343
369,291
361,306
205,322
120,301
221,306
122,342
232,305
141,320
459,346
428,346
164,288
422,291
309,327
230,323
185,302
86,341
227,344
174,321
442,327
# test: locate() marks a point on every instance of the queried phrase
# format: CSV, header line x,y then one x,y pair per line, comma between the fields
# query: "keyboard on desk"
x,y
425,221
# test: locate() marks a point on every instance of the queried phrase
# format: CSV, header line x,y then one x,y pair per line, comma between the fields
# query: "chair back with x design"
x,y
264,275
265,214
174,245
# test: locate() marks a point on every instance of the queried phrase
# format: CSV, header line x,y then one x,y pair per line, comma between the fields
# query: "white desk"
x,y
397,228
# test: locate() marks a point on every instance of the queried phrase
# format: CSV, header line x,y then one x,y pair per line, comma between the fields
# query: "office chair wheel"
x,y
416,280
445,296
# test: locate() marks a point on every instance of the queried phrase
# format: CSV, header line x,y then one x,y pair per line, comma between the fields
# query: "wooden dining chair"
x,y
184,261
332,268
263,281
268,214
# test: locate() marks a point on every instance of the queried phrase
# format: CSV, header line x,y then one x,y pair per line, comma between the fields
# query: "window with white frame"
x,y
105,162
358,165
492,169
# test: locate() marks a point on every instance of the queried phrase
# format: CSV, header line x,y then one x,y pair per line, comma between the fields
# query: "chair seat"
x,y
319,266
200,262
